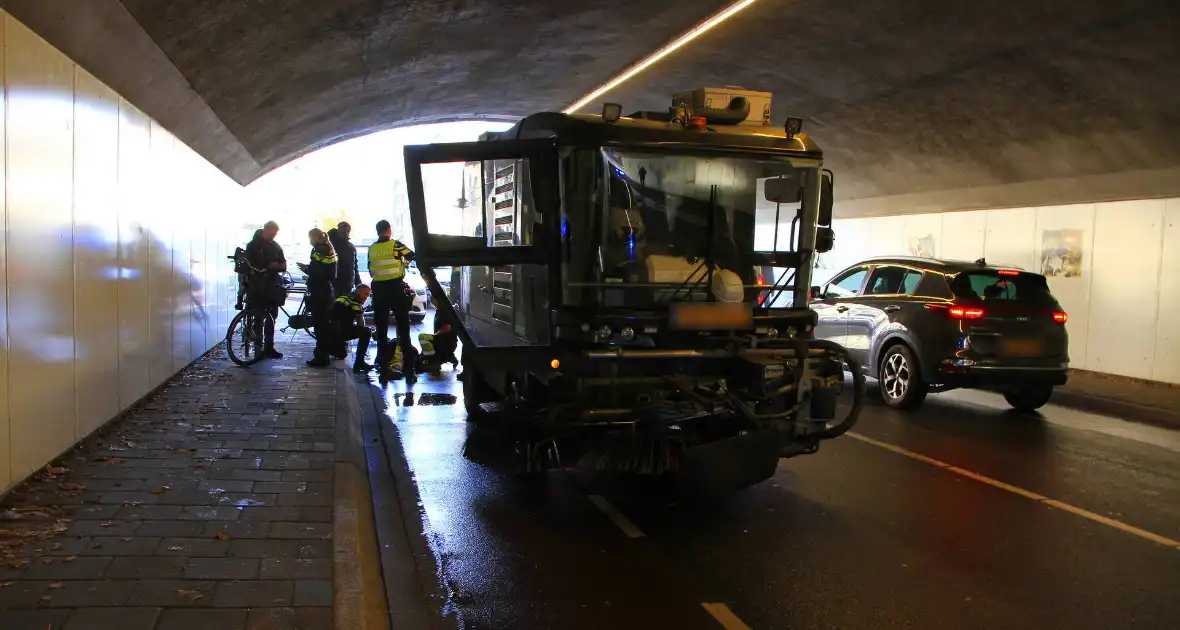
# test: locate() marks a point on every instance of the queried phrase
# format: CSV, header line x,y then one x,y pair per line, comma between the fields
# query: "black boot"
x,y
271,353
319,362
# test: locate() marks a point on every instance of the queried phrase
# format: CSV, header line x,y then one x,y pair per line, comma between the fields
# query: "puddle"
x,y
409,399
436,399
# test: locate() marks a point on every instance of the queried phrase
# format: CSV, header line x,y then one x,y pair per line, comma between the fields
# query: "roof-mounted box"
x,y
718,104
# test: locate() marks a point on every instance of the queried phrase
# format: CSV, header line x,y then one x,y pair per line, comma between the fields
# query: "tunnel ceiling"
x,y
290,76
956,104
921,96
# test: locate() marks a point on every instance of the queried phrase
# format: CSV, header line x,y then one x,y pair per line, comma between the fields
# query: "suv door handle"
x,y
892,308
841,308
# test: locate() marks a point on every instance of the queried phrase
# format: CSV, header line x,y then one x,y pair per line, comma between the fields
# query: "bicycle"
x,y
245,337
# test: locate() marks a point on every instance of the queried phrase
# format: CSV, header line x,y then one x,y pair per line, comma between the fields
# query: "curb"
x,y
416,598
1120,409
358,593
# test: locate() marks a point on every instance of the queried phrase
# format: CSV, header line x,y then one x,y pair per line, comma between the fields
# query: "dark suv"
x,y
922,325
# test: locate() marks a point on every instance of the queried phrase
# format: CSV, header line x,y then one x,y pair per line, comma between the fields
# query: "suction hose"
x,y
858,388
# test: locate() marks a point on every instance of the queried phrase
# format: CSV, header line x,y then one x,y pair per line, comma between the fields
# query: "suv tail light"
x,y
957,311
1060,317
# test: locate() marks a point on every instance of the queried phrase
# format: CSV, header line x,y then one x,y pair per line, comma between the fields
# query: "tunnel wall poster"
x,y
1061,253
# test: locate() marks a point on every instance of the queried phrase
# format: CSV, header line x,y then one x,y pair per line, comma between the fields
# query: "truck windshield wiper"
x,y
708,261
775,290
691,287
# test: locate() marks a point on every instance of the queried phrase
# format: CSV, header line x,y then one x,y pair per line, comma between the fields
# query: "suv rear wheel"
x,y
900,380
1026,398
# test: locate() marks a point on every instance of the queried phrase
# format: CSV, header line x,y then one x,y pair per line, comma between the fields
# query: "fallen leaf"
x,y
160,490
184,451
56,585
57,470
46,598
176,549
46,560
107,524
70,487
18,563
221,536
69,558
5,584
126,539
191,594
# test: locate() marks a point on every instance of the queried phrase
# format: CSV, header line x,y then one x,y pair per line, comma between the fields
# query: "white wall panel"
x,y
963,235
96,251
887,237
160,264
1124,292
134,252
1054,223
95,308
40,249
1009,237
5,466
1167,338
853,238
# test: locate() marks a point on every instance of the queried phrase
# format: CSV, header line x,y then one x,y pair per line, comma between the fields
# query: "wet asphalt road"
x,y
856,536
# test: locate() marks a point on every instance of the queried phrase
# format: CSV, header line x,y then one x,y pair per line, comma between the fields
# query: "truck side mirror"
x,y
825,239
817,293
825,200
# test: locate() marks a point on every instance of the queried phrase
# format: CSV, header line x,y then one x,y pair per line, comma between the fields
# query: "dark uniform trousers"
x,y
389,297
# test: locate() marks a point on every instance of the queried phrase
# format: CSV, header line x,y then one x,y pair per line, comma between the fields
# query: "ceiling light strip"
x,y
651,59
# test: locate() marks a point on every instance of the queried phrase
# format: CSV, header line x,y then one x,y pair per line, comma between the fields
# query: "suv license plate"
x,y
1023,347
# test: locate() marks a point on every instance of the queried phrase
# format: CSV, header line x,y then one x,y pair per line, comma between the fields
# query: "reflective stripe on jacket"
x,y
328,259
351,303
388,260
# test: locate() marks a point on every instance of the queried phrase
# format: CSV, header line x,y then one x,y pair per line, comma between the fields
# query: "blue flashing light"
x,y
631,247
619,171
565,227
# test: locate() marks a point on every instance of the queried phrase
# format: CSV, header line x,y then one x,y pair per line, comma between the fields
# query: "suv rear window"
x,y
1025,289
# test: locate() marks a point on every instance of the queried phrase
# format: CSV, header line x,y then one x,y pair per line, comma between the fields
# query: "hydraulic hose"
x,y
858,388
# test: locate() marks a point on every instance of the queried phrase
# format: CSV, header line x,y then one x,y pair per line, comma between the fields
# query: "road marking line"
x,y
616,516
1028,494
725,616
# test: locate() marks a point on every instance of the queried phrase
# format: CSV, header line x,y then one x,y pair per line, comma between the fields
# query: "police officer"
x,y
267,256
321,274
348,319
348,275
388,261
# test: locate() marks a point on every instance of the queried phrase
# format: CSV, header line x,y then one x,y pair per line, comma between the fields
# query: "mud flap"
x,y
732,463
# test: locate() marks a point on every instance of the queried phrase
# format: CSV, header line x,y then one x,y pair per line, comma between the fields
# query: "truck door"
x,y
490,208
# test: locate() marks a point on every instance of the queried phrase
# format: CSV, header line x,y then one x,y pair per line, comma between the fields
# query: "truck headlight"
x,y
627,334
604,333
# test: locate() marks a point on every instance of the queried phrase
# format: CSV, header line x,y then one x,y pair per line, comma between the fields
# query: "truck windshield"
x,y
663,217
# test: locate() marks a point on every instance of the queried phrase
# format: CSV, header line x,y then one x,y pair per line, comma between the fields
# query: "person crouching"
x,y
348,319
439,348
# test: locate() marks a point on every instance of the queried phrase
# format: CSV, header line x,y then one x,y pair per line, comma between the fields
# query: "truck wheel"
x,y
900,379
1028,398
475,391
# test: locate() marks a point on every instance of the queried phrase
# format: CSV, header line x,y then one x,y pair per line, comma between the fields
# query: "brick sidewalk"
x,y
207,506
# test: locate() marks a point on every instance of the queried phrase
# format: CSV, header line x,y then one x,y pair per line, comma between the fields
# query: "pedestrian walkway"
x,y
210,505
1142,401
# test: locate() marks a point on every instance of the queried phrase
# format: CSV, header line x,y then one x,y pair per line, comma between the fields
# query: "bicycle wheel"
x,y
244,339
